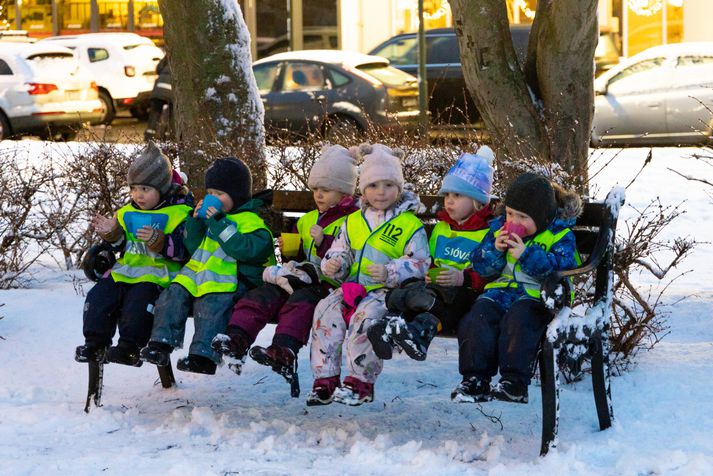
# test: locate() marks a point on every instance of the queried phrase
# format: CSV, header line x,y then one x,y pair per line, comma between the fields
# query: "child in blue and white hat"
x,y
422,309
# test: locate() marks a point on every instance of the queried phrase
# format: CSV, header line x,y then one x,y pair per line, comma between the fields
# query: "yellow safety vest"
x,y
453,248
305,223
512,275
139,264
379,246
210,269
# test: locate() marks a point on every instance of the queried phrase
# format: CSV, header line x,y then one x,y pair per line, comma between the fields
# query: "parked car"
x,y
124,65
449,100
313,38
334,92
661,96
44,91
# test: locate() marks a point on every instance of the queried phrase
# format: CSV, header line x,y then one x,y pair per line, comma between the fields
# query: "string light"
x,y
522,5
645,8
438,13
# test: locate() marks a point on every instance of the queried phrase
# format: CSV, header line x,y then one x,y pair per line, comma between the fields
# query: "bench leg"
x,y
165,374
550,396
601,382
96,385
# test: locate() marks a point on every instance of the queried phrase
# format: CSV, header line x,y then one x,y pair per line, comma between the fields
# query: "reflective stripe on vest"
x,y
512,275
380,246
139,264
210,269
453,248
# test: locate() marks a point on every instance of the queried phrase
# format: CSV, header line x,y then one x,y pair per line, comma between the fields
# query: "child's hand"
x,y
197,207
515,246
501,241
104,225
377,272
333,266
146,232
280,243
210,211
317,234
450,277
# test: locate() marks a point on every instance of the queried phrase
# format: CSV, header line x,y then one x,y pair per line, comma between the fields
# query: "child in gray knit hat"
x,y
148,232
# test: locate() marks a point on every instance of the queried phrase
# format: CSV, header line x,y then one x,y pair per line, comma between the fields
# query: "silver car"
x,y
661,96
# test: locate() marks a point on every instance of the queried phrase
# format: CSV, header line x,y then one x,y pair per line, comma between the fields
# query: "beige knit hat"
x,y
380,163
335,169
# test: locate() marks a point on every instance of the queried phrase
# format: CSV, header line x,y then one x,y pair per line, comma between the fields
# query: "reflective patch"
x,y
228,233
150,308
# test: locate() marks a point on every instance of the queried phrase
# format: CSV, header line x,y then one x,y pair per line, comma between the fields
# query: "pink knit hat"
x,y
335,169
380,163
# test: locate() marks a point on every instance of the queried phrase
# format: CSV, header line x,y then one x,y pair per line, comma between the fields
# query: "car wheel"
x,y
4,127
342,128
107,107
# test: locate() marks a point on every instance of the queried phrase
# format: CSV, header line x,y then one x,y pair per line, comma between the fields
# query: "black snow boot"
x,y
157,353
472,390
233,348
379,336
510,391
125,354
90,352
414,337
197,364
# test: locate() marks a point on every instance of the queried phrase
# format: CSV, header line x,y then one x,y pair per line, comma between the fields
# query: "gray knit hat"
x,y
151,168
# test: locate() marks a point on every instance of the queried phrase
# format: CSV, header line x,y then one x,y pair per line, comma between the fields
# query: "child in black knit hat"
x,y
503,328
230,245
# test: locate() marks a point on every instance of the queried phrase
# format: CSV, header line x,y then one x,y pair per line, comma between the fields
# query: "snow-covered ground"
x,y
226,424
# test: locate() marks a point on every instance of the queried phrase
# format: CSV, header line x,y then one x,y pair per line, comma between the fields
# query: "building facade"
x,y
277,25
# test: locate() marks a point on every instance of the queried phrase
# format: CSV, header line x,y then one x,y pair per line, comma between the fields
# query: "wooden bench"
x,y
595,232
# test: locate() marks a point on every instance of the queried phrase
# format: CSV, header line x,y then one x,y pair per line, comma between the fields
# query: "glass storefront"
x,y
74,16
651,23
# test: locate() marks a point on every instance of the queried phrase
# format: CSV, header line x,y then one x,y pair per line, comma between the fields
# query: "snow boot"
x,y
414,337
233,350
354,392
197,364
379,336
157,353
411,297
90,352
322,391
472,390
510,391
282,360
125,354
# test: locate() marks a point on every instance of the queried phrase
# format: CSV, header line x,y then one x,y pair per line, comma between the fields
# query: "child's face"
x,y
223,197
381,194
459,207
325,198
515,216
145,196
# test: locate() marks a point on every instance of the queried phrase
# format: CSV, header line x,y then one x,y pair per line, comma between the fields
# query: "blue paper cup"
x,y
209,201
140,220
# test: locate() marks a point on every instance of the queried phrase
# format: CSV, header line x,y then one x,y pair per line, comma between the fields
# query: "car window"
x,y
399,52
97,54
442,50
303,77
265,75
636,69
338,79
5,68
53,63
388,75
694,60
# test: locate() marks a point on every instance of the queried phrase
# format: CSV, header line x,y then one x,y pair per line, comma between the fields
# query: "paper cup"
x,y
209,201
290,244
433,273
140,220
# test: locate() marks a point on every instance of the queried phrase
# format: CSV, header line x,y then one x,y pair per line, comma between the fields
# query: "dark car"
x,y
449,100
334,92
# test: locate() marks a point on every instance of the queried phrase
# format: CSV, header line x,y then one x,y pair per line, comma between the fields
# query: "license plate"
x,y
409,102
73,95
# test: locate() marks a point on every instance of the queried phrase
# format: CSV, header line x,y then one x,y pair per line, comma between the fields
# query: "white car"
x,y
44,91
124,65
661,96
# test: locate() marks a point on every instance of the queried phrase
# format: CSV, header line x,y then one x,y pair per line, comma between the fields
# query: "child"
x,y
149,233
229,249
378,247
507,321
462,225
291,295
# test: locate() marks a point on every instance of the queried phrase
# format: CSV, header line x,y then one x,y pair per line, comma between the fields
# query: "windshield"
x,y
388,75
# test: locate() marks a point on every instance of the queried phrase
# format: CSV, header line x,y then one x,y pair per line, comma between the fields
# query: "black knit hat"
x,y
151,168
231,176
533,194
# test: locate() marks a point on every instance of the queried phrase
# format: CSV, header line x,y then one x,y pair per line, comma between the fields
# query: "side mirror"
x,y
601,89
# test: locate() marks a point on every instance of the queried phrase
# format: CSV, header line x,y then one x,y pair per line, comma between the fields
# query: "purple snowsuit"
x,y
293,312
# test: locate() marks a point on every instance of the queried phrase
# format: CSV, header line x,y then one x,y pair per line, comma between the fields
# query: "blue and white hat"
x,y
471,175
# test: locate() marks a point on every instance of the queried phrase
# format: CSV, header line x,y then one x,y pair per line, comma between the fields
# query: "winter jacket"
x,y
347,205
416,259
534,261
251,250
477,221
162,89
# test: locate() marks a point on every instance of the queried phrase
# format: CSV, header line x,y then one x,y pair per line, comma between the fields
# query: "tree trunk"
x,y
544,110
218,108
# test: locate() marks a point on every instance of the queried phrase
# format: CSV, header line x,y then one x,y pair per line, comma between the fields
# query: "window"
x,y
400,52
5,68
338,79
638,68
694,60
265,75
442,50
303,77
388,75
97,54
